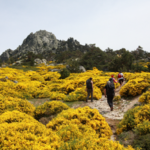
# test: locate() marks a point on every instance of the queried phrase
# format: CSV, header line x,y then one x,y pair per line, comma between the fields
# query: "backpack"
x,y
119,75
110,87
89,84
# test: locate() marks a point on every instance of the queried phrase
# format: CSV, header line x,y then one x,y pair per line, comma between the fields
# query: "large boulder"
x,y
52,64
44,61
4,65
18,62
82,69
55,70
38,61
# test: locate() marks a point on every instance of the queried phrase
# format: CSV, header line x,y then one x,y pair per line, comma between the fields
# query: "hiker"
x,y
112,76
89,89
120,78
109,92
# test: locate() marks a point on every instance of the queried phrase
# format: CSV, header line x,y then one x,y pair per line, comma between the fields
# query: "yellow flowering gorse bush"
x,y
10,103
43,83
20,131
116,98
135,117
74,136
85,116
145,97
81,128
80,94
134,87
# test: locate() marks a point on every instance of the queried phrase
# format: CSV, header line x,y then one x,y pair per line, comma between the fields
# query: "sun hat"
x,y
112,75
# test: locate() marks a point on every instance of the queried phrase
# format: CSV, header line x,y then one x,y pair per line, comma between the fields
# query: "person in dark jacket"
x,y
89,89
109,92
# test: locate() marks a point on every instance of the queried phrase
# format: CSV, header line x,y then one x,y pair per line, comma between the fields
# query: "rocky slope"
x,y
42,42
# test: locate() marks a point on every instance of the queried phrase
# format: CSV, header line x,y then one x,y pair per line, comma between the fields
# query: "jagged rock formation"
x,y
71,44
6,55
37,43
42,42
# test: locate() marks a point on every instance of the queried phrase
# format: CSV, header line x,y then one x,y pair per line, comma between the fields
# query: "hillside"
x,y
45,45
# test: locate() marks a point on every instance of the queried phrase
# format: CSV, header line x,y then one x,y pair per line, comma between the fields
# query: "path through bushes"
x,y
120,107
112,117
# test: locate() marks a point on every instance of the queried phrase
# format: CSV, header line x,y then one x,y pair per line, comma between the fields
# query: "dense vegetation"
x,y
92,56
108,60
81,128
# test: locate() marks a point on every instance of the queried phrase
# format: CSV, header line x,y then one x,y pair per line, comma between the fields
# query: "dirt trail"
x,y
112,117
120,107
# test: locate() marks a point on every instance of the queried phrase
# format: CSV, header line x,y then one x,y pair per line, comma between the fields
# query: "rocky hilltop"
x,y
6,55
42,42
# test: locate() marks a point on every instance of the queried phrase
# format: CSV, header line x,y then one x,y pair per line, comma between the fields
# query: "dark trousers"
x,y
89,92
110,100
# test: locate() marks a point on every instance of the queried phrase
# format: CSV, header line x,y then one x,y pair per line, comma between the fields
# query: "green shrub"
x,y
64,73
138,68
142,142
143,128
128,121
117,98
137,118
73,66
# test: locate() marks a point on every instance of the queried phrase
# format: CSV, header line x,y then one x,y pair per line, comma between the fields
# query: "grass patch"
x,y
70,104
128,97
25,67
126,138
38,101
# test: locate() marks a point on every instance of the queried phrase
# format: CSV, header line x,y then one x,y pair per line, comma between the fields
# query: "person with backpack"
x,y
112,76
89,89
109,92
120,78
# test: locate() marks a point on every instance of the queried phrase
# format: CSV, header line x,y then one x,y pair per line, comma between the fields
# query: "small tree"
x,y
149,67
73,66
32,62
0,62
64,73
138,68
124,62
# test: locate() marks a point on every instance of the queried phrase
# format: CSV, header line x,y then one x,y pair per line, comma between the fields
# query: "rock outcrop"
x,y
37,43
39,61
82,69
40,41
44,43
6,55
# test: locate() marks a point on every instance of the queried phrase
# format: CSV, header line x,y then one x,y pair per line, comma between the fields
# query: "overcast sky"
x,y
107,23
